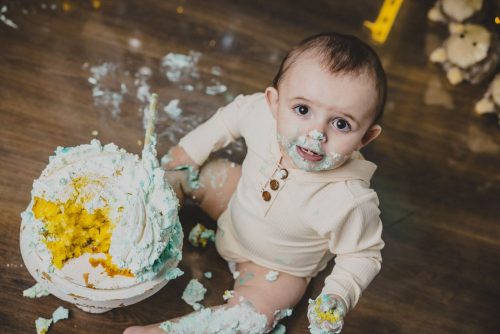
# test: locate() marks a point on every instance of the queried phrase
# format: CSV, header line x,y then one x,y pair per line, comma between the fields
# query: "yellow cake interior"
x,y
70,230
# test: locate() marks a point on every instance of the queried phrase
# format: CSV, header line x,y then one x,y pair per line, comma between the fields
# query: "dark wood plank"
x,y
438,176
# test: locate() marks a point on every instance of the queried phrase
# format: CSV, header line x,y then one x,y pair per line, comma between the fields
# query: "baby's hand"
x,y
326,314
177,157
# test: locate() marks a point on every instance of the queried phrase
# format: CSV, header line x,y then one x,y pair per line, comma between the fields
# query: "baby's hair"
x,y
344,54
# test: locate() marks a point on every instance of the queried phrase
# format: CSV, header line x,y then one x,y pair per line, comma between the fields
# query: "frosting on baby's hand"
x,y
326,314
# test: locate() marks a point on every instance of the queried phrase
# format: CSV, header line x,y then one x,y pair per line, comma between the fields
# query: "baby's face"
x,y
322,117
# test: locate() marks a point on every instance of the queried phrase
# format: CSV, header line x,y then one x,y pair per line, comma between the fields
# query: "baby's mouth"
x,y
308,155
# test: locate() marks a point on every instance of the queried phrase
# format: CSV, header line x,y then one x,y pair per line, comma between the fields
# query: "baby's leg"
x,y
266,298
257,304
218,179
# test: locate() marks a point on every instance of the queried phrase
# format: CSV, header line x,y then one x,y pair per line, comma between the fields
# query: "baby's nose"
x,y
317,135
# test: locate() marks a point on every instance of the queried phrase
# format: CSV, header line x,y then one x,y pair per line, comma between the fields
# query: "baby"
x,y
302,194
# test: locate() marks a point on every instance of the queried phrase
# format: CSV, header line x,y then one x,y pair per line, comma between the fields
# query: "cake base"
x,y
95,310
69,287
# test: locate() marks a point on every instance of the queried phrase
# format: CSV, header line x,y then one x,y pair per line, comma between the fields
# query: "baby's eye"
x,y
341,124
301,110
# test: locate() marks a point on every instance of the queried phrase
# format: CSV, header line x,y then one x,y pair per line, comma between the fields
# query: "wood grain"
x,y
438,178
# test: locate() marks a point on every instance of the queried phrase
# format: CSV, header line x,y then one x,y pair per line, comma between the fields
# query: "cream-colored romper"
x,y
310,215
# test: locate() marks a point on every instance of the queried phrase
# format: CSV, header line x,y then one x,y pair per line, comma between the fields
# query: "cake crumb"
x,y
36,291
272,276
279,329
5,20
215,89
228,294
194,293
173,274
60,313
200,235
172,109
42,325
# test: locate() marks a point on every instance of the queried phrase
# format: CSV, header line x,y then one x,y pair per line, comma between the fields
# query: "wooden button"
x,y
274,185
283,174
266,196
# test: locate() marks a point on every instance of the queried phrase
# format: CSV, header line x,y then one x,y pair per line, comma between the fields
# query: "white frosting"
x,y
60,313
142,206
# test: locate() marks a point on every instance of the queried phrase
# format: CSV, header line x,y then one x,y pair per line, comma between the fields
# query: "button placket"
x,y
272,186
281,185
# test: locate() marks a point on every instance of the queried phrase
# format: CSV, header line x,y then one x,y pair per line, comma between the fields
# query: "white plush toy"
x,y
470,53
458,11
490,103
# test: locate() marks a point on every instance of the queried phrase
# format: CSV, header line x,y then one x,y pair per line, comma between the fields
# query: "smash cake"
x,y
102,228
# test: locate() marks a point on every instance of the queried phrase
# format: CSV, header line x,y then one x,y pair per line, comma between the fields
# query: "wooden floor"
x,y
438,178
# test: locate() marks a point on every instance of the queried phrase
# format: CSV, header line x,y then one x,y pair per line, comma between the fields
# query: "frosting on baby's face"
x,y
307,152
322,117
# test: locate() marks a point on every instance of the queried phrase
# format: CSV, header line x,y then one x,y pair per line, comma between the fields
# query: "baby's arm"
x,y
217,132
357,244
176,157
183,161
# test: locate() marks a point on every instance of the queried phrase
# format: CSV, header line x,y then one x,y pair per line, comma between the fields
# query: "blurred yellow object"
x,y
382,26
66,6
497,20
180,9
96,4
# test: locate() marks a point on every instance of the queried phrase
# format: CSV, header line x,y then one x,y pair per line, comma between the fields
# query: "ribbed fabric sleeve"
x,y
218,131
357,244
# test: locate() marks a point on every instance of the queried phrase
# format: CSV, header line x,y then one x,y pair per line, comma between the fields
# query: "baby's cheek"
x,y
344,144
288,124
287,135
339,148
297,130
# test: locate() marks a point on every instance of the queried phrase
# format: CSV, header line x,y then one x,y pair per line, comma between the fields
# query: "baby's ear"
x,y
272,100
370,135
